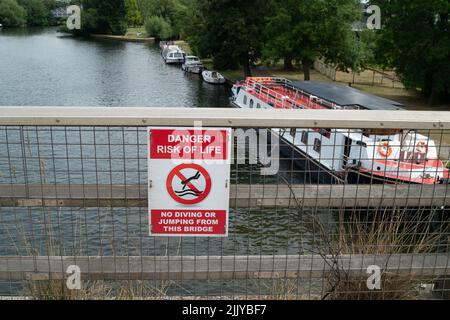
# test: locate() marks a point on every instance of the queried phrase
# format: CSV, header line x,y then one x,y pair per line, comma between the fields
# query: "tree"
x,y
38,14
415,40
108,17
12,14
158,27
134,17
229,31
305,30
172,11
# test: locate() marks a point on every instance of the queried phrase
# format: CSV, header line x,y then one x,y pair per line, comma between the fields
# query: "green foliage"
x,y
12,14
105,17
38,14
291,30
158,27
415,40
305,30
134,17
229,31
172,11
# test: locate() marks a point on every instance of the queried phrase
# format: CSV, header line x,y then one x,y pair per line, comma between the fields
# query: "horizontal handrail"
x,y
218,267
223,117
242,196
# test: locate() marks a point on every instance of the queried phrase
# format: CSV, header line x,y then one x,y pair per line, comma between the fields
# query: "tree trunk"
x,y
247,69
288,66
306,69
433,99
428,88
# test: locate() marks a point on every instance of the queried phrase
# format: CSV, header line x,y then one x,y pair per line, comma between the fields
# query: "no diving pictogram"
x,y
188,184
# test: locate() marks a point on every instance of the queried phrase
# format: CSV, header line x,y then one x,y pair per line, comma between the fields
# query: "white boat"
x,y
172,54
192,64
213,77
337,155
163,44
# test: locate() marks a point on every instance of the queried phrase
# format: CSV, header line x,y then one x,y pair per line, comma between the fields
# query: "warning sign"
x,y
189,172
187,187
202,222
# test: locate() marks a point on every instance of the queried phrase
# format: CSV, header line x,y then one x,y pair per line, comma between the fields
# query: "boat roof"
x,y
173,48
346,96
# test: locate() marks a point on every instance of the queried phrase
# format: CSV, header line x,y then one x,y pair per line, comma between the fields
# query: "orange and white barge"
x,y
374,156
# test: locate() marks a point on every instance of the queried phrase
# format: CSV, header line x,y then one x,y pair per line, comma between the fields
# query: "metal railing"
x,y
73,192
368,77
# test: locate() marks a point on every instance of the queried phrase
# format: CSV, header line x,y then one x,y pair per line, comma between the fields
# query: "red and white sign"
x,y
189,173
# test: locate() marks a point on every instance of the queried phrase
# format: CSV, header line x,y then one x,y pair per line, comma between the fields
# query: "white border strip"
x,y
222,117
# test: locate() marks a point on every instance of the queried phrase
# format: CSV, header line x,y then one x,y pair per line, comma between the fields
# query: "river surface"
x,y
38,67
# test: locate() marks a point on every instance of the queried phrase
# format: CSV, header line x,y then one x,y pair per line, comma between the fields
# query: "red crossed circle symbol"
x,y
177,172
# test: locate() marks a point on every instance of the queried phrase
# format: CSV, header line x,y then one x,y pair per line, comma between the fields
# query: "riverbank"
x,y
133,34
124,38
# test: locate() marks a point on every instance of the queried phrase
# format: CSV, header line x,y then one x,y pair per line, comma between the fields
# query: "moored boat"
x,y
213,77
386,156
172,54
192,64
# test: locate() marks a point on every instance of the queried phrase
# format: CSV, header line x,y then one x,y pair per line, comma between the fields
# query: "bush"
x,y
158,27
104,17
11,14
37,13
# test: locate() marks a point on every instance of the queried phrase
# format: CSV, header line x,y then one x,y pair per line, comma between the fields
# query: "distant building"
x,y
60,13
359,26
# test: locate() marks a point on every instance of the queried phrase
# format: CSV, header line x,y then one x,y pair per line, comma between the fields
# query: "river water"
x,y
40,68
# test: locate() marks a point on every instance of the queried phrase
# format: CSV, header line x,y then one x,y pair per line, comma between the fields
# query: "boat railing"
x,y
261,85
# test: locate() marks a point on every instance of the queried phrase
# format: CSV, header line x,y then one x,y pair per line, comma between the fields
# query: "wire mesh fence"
x,y
369,77
343,207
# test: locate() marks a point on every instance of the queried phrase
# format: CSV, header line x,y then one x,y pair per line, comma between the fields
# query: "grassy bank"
x,y
136,34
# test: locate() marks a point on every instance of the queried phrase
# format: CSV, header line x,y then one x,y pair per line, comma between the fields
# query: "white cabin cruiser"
x,y
192,64
213,77
353,156
172,54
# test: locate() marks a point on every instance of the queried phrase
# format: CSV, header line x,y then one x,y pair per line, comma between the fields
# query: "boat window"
x,y
305,137
293,132
317,145
245,99
251,103
362,144
325,132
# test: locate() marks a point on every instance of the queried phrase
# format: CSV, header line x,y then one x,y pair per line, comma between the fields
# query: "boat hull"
x,y
195,70
319,174
211,80
173,61
215,82
313,170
